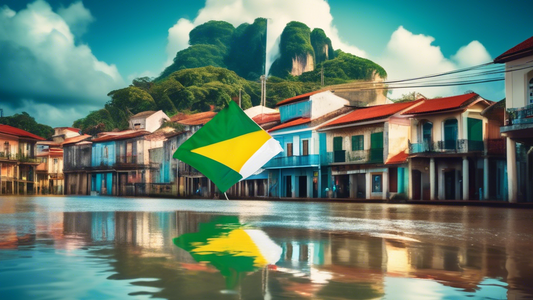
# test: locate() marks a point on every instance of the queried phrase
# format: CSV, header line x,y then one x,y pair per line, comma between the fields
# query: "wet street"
x,y
120,248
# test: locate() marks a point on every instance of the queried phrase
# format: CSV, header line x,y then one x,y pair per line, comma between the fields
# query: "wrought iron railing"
x,y
447,146
520,115
126,159
293,161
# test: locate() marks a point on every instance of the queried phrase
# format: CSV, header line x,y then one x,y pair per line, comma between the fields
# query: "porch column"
x,y
255,187
441,185
512,185
410,180
368,184
486,178
16,181
209,187
466,185
432,178
353,186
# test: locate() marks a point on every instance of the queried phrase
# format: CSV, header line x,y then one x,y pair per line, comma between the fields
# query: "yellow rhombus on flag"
x,y
228,148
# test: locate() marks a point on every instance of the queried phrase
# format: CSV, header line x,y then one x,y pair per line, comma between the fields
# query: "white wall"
x,y
325,102
516,82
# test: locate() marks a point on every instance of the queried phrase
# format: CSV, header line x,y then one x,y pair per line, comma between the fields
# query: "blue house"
x,y
298,171
118,162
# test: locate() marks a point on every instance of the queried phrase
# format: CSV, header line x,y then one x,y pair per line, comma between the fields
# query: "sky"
x,y
60,58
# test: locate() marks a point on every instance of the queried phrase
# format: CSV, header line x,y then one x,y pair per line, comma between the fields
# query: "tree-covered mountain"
x,y
221,60
26,122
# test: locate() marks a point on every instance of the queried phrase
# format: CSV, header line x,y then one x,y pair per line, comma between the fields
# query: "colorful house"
x,y
118,161
447,157
148,120
77,152
366,150
297,171
17,161
518,127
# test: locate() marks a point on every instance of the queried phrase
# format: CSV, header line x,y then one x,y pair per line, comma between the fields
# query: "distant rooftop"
x,y
523,49
144,114
19,132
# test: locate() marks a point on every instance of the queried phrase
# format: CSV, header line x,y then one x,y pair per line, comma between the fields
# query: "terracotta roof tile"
x,y
297,98
266,118
371,113
441,104
292,123
19,132
115,137
398,158
194,119
76,139
523,49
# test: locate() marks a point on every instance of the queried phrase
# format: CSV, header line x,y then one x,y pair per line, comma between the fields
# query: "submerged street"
x,y
105,247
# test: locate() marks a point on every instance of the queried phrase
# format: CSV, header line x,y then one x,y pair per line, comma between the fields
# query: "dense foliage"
x,y
26,122
322,46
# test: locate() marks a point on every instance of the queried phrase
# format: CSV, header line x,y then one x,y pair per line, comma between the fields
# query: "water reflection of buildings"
x,y
313,263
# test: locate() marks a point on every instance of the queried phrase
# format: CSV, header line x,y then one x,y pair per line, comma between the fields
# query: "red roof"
x,y
74,140
194,119
266,118
116,137
19,132
295,122
297,98
372,112
521,50
440,104
398,158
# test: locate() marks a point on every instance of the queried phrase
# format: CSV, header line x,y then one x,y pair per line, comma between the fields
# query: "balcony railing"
x,y
185,169
520,115
8,155
371,156
294,161
449,146
126,159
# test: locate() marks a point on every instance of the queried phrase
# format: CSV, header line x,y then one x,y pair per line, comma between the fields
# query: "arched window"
x,y
450,134
530,90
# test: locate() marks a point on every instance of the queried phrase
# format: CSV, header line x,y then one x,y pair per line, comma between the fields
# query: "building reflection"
x,y
313,264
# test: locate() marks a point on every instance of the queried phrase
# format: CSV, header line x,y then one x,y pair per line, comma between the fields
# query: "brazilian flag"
x,y
228,148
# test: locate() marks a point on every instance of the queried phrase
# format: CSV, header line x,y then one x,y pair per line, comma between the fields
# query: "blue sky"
x,y
60,58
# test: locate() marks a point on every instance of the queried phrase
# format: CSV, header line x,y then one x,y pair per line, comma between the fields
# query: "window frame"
x,y
360,142
378,188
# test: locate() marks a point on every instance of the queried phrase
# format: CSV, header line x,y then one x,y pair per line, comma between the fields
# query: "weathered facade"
x,y
77,165
518,126
18,162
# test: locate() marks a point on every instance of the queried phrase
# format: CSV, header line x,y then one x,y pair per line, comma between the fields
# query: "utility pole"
x,y
263,90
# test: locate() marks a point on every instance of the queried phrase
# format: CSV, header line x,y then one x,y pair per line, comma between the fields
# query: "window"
x,y
450,134
358,142
105,152
531,91
289,149
376,184
337,143
305,147
55,161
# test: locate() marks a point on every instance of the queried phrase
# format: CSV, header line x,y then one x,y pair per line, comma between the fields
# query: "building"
x,y
118,161
366,150
518,127
447,157
50,171
297,171
18,163
148,120
77,152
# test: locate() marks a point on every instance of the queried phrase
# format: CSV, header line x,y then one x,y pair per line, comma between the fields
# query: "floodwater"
x,y
131,248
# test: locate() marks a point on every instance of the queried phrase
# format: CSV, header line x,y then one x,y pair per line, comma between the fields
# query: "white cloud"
x,y
313,13
409,55
77,17
39,60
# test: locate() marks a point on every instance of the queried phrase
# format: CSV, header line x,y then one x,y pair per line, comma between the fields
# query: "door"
x,y
450,134
338,153
449,185
417,181
288,186
302,186
475,135
376,147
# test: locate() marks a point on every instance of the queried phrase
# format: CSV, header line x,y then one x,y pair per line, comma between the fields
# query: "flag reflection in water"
x,y
231,247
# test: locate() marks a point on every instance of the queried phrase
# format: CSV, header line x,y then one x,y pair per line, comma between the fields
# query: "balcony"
x,y
126,159
371,156
450,146
520,115
7,156
293,161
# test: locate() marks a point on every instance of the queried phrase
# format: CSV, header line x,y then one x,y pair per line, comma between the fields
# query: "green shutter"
x,y
337,143
475,129
358,142
376,140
